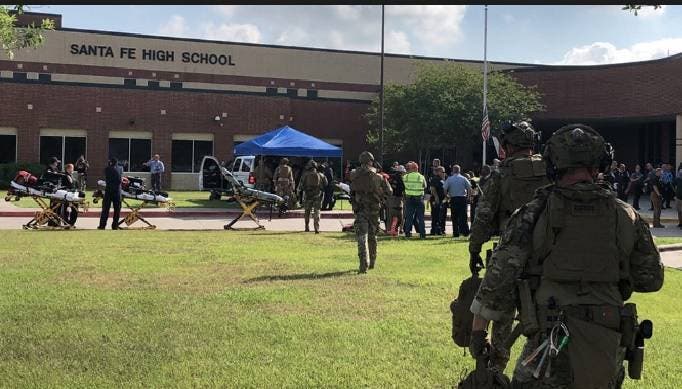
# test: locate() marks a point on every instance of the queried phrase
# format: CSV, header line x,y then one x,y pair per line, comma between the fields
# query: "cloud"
x,y
433,25
175,26
226,10
247,33
410,29
397,42
605,52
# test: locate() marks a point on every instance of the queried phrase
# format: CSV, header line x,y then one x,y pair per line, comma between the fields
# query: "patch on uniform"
x,y
583,209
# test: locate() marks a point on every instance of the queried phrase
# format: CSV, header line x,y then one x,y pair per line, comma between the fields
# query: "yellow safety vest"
x,y
414,184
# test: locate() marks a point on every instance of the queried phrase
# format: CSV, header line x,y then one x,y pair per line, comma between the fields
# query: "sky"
x,y
536,34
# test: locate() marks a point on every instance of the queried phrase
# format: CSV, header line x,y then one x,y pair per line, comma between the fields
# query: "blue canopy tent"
x,y
288,142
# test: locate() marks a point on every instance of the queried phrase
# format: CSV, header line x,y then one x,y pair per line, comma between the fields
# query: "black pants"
x,y
110,197
156,182
458,209
70,213
637,193
328,198
436,218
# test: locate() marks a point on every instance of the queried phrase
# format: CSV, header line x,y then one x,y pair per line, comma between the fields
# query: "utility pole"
x,y
485,81
381,95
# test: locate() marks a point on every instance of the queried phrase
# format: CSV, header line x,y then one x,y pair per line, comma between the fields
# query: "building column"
x,y
678,140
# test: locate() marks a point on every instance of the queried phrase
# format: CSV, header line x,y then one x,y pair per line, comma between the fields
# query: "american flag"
x,y
485,126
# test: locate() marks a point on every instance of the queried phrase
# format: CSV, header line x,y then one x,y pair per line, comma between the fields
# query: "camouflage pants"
x,y
313,204
366,227
284,190
500,333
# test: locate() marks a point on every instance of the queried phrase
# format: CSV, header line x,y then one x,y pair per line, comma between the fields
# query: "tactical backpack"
x,y
312,181
462,317
520,178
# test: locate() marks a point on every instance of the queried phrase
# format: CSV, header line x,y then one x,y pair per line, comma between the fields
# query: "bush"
x,y
9,170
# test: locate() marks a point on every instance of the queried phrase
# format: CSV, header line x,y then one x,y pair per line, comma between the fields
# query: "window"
x,y
8,148
187,154
129,82
270,91
66,148
131,153
312,94
292,92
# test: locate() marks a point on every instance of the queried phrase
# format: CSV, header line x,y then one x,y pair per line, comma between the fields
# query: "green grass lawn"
x,y
238,309
661,240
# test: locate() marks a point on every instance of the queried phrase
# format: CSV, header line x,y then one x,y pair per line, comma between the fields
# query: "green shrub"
x,y
9,170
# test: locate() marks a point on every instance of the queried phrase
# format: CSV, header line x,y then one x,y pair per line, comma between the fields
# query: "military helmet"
x,y
311,164
366,157
519,134
284,161
577,145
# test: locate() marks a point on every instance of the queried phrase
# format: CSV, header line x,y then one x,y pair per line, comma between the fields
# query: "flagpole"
x,y
381,95
485,75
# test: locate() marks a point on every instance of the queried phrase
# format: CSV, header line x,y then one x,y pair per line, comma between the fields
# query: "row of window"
x,y
132,153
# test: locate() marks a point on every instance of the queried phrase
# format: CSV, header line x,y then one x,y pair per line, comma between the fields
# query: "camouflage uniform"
x,y
507,189
284,180
581,232
312,188
368,191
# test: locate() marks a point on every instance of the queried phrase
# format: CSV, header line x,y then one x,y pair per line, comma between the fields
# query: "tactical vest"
x,y
584,241
312,181
520,177
365,187
413,184
283,172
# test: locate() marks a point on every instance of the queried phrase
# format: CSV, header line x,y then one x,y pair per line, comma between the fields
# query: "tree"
x,y
634,7
444,107
14,38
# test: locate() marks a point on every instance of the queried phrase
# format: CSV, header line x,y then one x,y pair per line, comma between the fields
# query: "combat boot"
x,y
307,228
372,261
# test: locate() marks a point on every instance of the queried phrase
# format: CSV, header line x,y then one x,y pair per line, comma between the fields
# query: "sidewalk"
x,y
8,209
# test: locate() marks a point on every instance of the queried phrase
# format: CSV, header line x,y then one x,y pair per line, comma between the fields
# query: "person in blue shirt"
x,y
156,168
667,183
458,190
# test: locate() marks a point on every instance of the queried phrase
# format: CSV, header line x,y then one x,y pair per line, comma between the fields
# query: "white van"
x,y
212,180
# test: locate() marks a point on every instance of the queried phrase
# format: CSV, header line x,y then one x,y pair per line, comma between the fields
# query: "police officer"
x,y
112,195
284,181
310,187
368,191
579,253
508,188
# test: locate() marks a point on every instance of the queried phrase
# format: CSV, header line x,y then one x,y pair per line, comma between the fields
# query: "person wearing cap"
x,y
415,183
284,181
112,195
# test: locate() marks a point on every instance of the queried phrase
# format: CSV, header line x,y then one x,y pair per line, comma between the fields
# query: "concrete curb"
x,y
670,247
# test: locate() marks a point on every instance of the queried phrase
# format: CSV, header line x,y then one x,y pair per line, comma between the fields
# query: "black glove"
x,y
479,346
475,262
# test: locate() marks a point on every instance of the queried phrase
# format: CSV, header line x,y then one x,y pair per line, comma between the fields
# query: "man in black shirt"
x,y
438,196
112,194
394,202
328,202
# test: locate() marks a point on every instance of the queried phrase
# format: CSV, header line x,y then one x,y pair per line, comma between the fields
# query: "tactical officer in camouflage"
x,y
368,191
310,187
572,257
507,189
